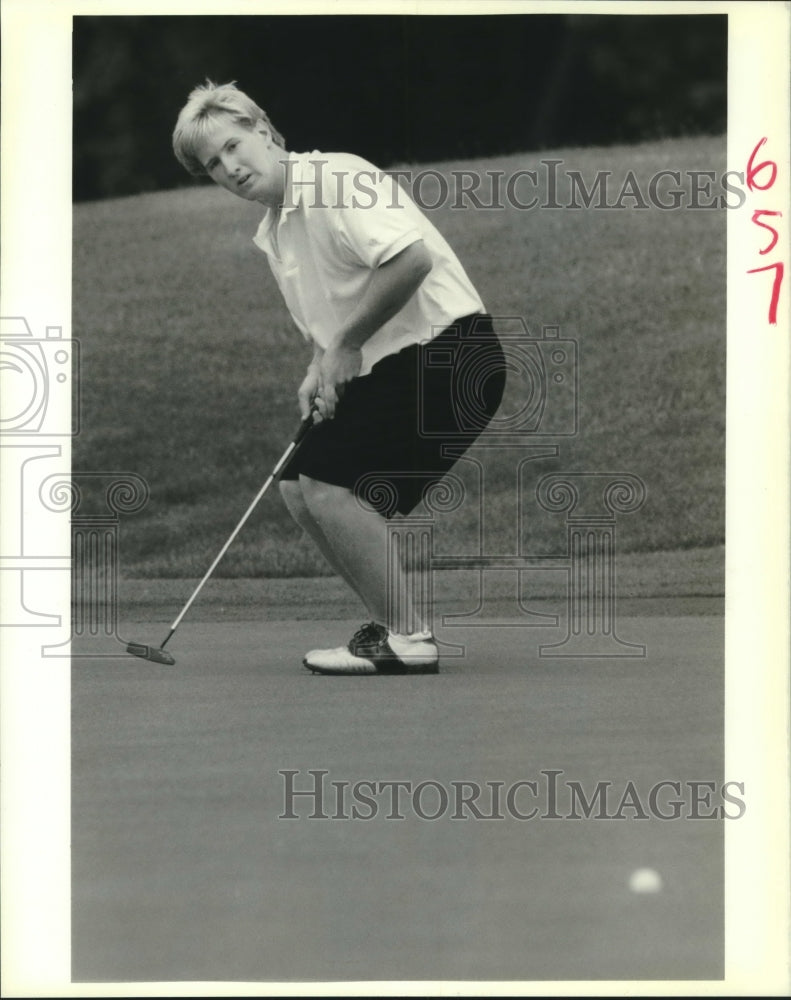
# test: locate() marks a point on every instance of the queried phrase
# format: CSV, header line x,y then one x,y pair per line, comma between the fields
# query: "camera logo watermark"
x,y
39,406
40,386
56,522
543,382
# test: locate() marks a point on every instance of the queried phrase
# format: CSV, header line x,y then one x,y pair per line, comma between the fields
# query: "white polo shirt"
x,y
341,218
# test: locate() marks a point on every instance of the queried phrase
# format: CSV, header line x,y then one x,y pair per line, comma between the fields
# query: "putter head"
x,y
152,653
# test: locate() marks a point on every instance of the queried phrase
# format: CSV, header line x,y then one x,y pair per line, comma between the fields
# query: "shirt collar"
x,y
292,196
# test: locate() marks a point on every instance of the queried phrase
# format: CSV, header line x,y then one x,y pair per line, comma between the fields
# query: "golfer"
x,y
370,283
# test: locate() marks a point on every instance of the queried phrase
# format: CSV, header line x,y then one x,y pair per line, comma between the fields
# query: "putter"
x,y
158,654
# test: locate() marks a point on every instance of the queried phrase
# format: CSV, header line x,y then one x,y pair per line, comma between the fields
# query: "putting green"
x,y
184,870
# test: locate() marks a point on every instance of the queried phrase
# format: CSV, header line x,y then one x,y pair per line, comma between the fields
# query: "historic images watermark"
x,y
40,407
39,388
39,380
539,411
543,408
552,184
547,795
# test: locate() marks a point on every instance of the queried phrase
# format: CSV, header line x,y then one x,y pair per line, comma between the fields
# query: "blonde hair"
x,y
206,105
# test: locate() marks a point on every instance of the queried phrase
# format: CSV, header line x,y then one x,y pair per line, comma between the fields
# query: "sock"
x,y
402,644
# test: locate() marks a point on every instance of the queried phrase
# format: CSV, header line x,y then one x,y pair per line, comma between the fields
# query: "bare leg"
x,y
291,491
358,539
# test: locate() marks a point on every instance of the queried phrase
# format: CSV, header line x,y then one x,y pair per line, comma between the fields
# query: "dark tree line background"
x,y
395,89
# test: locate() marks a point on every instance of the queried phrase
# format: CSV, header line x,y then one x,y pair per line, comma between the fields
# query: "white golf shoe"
x,y
365,634
378,652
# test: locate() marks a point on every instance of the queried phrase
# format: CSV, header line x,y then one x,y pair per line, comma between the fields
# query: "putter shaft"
x,y
157,654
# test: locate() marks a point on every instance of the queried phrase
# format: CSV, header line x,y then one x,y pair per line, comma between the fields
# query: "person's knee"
x,y
291,492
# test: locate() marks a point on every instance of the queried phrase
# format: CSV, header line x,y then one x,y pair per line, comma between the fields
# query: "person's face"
x,y
246,162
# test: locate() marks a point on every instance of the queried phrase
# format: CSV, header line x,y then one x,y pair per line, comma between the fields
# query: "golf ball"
x,y
645,880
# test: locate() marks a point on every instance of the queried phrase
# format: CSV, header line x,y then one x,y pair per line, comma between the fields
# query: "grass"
x,y
190,362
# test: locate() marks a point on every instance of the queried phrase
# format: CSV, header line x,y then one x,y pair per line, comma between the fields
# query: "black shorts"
x,y
390,436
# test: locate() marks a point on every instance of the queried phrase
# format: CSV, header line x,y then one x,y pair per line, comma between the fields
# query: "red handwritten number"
x,y
753,171
775,287
756,219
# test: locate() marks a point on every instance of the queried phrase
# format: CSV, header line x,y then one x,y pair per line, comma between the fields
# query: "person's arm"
x,y
393,284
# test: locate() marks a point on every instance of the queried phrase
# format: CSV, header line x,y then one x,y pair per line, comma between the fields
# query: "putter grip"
x,y
304,427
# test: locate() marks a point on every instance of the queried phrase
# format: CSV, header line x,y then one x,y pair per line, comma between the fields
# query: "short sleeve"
x,y
370,218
